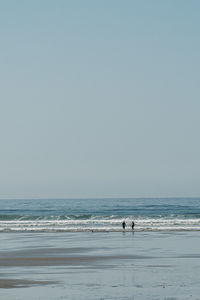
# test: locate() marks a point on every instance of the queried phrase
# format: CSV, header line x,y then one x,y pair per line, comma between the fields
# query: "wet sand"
x,y
19,283
67,258
100,266
42,257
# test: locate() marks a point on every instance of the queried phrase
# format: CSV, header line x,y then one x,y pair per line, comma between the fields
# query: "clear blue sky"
x,y
99,98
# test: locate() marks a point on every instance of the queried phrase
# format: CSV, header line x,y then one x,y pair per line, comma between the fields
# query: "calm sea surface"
x,y
53,215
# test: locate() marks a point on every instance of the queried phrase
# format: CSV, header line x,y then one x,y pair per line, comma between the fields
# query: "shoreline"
x,y
101,230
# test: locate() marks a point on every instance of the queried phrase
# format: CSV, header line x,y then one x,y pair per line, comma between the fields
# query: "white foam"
x,y
98,224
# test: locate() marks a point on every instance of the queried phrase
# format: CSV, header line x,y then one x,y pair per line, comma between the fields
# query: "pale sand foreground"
x,y
41,257
93,266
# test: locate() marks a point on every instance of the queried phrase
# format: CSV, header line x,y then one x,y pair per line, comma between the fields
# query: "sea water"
x,y
52,215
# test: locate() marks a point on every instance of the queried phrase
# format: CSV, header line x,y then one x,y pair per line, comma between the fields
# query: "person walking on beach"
x,y
123,225
133,225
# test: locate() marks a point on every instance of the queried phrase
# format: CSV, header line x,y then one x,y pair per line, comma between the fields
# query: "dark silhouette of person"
x,y
133,225
123,225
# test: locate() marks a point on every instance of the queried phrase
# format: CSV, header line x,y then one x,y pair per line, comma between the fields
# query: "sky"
x,y
99,98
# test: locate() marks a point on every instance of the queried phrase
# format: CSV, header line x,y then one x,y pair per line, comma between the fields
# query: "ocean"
x,y
72,215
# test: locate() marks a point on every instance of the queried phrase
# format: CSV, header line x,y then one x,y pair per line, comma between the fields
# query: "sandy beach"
x,y
100,266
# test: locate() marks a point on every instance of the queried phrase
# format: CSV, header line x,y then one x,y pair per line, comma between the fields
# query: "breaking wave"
x,y
73,223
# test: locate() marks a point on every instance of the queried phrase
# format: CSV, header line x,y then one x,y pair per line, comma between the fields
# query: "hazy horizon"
x,y
102,198
99,99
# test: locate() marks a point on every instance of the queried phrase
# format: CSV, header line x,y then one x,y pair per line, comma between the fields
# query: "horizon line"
x,y
101,198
